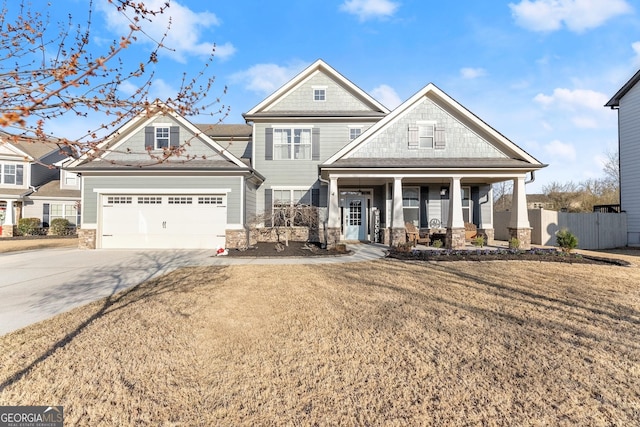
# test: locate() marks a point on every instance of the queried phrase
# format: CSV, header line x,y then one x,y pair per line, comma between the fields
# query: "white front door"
x,y
355,218
159,221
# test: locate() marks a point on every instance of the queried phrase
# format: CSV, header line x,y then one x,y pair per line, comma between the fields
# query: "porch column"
x,y
333,221
9,220
398,233
455,229
519,227
486,217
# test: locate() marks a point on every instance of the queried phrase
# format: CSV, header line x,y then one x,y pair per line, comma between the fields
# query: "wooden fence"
x,y
594,230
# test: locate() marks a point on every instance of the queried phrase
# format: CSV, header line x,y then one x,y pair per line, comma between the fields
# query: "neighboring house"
x,y
318,140
627,102
30,185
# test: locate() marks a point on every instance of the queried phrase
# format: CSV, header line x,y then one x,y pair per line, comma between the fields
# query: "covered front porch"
x,y
377,207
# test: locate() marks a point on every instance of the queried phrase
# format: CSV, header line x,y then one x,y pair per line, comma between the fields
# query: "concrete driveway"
x,y
35,285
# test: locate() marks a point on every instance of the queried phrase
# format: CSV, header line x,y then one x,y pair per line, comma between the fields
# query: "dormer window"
x,y
319,93
161,137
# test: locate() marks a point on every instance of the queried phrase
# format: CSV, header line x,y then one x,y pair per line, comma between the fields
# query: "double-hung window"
x,y
426,135
292,207
161,137
292,143
11,174
411,205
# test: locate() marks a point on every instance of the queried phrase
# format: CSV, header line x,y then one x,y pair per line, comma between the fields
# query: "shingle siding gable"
x,y
454,138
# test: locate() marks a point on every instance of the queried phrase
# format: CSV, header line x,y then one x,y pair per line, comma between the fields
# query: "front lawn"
x,y
379,343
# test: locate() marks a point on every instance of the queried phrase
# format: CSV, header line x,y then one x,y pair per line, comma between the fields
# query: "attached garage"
x,y
155,221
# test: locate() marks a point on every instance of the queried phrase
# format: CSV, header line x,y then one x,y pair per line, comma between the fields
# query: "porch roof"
x,y
431,163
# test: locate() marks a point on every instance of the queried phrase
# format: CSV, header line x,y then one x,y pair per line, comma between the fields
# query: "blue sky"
x,y
538,71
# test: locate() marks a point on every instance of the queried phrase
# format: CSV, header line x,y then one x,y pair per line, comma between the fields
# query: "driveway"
x,y
35,285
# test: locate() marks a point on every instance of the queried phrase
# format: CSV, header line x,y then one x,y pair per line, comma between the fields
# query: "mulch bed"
x,y
294,249
542,255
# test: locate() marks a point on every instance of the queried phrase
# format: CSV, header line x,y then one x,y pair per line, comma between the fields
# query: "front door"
x,y
355,218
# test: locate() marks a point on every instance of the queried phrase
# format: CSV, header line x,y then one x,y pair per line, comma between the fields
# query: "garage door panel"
x,y
164,221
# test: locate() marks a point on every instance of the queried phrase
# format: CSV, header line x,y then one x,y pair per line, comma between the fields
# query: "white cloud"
x,y
559,151
576,15
369,9
583,107
636,49
472,73
267,78
387,96
185,33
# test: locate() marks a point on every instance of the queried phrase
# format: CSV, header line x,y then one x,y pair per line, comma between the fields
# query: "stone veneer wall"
x,y
86,239
398,236
489,235
523,235
9,230
455,238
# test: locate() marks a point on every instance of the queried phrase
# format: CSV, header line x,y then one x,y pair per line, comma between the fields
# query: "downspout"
x,y
533,178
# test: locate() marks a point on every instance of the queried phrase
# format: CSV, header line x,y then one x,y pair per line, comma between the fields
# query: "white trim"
x,y
291,187
162,190
92,226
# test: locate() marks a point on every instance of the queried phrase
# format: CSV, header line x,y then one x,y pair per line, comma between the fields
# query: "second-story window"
x,y
162,137
292,143
319,94
354,133
11,174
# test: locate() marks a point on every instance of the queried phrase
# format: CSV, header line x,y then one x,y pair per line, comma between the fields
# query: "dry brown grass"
x,y
379,343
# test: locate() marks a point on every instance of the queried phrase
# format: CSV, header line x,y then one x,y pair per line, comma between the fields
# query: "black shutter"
x,y
268,144
19,174
315,144
149,138
45,214
315,197
174,136
268,207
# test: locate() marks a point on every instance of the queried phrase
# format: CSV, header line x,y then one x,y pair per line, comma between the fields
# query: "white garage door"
x,y
164,221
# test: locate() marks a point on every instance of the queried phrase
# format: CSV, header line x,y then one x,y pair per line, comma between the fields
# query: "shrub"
x,y
514,243
566,240
28,226
437,244
478,241
58,226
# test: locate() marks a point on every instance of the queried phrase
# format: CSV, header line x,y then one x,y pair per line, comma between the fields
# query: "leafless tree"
x,y
502,195
284,217
563,195
49,71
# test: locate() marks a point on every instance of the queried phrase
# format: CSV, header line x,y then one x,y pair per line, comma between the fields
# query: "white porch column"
x,y
398,214
334,205
519,214
9,218
486,215
456,220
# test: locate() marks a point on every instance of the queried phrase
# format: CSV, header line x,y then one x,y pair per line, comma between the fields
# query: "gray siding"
x,y
629,117
40,174
135,144
90,200
333,136
460,140
337,97
250,203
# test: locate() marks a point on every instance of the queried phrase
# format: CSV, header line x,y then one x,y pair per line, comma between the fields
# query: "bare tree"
x,y
611,167
284,218
49,72
502,195
563,196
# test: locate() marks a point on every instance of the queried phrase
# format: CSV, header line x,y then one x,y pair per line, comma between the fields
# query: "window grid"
x,y
354,133
150,200
292,143
210,200
119,200
319,95
179,200
162,137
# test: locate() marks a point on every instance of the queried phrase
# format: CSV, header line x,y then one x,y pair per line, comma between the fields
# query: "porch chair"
x,y
414,236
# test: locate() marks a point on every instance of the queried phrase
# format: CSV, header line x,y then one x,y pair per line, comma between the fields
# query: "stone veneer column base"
x,y
523,235
86,239
331,237
236,239
8,231
489,235
398,236
455,238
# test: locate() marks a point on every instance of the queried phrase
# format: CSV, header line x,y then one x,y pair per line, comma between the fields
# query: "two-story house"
x,y
318,140
627,102
33,186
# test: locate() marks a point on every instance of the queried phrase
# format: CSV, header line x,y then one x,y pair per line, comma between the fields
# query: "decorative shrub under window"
x,y
28,226
59,226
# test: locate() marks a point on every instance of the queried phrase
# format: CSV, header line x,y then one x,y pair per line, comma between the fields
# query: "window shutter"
x,y
45,214
413,137
424,198
174,136
149,138
440,138
268,144
315,197
268,207
19,174
315,144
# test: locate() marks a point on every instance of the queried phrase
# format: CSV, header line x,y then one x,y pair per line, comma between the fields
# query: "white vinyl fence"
x,y
593,230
